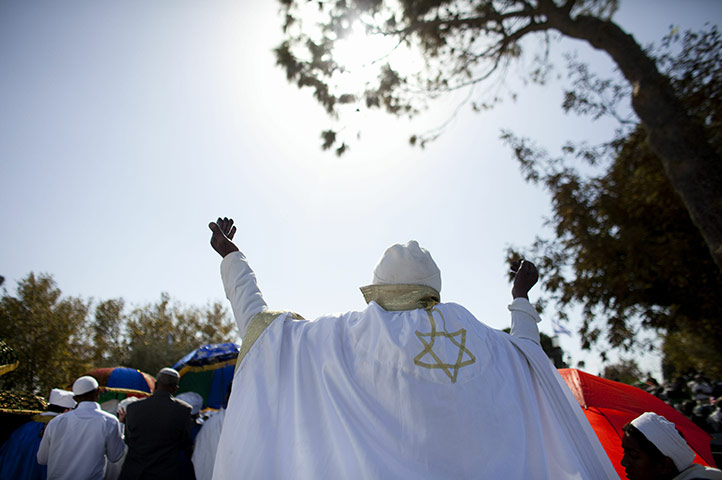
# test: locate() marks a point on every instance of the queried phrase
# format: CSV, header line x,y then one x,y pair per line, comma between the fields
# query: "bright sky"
x,y
125,127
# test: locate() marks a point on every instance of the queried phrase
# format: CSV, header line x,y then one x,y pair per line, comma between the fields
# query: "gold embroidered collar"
x,y
393,297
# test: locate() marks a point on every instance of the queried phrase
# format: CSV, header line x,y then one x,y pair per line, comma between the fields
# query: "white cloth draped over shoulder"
x,y
699,472
206,445
397,394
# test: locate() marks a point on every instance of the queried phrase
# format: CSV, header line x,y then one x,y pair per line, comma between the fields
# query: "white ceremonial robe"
x,y
206,444
699,472
387,394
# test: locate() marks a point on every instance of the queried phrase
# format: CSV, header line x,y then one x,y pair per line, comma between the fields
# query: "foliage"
x,y
465,42
47,332
160,334
626,371
460,44
110,345
555,354
690,351
693,62
625,248
56,339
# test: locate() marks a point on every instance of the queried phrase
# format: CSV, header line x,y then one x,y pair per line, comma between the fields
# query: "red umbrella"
x,y
609,405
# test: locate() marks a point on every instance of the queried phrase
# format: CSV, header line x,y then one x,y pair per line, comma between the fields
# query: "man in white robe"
x,y
407,388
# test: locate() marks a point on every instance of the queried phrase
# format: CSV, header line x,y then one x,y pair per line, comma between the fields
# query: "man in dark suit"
x,y
157,431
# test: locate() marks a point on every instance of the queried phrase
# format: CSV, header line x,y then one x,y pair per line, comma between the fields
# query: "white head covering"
x,y
664,435
61,398
169,373
110,406
407,264
125,402
84,385
195,400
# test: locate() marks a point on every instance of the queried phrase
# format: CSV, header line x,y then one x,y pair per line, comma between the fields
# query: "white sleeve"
x,y
239,281
44,448
524,318
114,444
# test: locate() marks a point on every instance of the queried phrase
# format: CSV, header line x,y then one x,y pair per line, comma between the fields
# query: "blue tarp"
x,y
208,370
209,354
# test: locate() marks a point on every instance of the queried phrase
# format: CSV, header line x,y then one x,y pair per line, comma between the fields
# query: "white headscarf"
x,y
664,435
407,264
195,400
61,398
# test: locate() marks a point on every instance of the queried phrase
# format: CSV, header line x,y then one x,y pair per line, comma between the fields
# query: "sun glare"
x,y
362,55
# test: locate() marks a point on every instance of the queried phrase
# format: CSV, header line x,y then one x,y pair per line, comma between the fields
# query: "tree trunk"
x,y
692,166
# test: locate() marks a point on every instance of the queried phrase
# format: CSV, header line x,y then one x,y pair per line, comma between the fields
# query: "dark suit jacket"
x,y
157,431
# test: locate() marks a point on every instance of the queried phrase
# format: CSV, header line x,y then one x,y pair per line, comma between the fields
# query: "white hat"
x,y
125,402
195,400
110,406
664,435
61,398
407,264
169,372
84,385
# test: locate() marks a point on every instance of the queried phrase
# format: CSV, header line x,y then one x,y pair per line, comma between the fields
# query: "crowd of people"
x,y
410,387
157,437
696,396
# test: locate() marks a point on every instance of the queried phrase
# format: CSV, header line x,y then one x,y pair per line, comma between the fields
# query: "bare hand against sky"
x,y
526,277
223,232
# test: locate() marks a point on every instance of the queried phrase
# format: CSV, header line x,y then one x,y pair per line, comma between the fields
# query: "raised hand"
x,y
526,277
223,232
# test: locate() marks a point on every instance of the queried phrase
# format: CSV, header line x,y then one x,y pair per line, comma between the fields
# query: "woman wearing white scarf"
x,y
654,449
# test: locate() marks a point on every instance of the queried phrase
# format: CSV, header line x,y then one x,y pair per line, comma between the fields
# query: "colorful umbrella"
x,y
610,405
122,382
208,370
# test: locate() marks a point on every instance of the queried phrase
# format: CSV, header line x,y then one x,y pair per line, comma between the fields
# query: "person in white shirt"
x,y
18,455
409,387
77,444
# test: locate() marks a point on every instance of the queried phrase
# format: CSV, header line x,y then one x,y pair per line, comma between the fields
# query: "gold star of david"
x,y
448,368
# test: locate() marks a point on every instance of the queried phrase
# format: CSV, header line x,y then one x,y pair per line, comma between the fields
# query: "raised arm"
x,y
524,316
239,281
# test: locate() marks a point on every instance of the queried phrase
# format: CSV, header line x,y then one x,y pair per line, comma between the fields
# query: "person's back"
x,y
378,394
18,453
407,388
157,431
76,444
